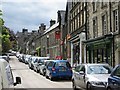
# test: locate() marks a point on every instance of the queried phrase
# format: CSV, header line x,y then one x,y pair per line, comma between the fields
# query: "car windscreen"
x,y
99,69
65,64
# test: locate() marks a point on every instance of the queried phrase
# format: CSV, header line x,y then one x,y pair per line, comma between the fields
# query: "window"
x,y
103,4
77,68
95,30
94,6
83,69
50,64
115,20
117,72
78,21
104,25
99,69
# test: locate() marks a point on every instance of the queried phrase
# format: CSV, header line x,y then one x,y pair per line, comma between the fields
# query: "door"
x,y
81,79
115,81
49,68
76,75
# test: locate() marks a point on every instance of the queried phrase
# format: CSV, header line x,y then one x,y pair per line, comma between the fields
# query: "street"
x,y
31,79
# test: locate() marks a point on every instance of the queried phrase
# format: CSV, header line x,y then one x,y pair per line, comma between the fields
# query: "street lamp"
x,y
33,44
47,45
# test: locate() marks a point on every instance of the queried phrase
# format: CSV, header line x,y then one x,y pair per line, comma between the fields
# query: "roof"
x,y
51,28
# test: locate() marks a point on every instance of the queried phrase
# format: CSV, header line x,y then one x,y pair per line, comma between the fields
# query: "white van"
x,y
6,76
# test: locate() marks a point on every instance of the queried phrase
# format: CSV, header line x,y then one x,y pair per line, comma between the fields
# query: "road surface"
x,y
31,79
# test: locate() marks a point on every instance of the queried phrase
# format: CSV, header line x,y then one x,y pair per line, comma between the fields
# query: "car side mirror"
x,y
40,63
18,81
81,72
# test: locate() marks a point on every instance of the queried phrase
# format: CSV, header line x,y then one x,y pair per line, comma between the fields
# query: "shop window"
x,y
119,57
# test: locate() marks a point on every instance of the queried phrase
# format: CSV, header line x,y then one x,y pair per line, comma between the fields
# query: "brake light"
x,y
53,69
70,68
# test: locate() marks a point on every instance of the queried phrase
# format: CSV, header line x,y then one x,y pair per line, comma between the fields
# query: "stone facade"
x,y
100,32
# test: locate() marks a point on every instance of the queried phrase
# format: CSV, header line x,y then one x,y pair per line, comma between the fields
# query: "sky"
x,y
29,14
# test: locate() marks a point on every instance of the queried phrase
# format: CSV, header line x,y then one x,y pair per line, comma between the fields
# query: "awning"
x,y
38,48
98,44
33,52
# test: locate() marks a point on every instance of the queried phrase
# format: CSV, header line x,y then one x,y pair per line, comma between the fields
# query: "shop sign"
x,y
57,34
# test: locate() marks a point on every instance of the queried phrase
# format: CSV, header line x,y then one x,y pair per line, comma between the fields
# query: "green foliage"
x,y
6,44
1,22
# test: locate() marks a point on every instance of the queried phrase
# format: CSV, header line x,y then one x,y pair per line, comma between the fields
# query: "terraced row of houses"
x,y
86,32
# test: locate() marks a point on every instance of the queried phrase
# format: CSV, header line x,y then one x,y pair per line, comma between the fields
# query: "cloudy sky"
x,y
19,14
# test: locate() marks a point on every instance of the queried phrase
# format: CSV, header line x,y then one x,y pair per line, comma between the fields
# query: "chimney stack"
x,y
52,22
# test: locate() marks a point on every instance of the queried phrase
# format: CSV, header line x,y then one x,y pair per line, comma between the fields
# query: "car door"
x,y
115,79
81,76
76,75
35,63
49,68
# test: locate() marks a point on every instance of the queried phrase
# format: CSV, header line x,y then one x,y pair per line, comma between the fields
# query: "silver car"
x,y
89,76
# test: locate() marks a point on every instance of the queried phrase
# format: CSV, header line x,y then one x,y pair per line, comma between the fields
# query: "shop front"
x,y
77,51
100,51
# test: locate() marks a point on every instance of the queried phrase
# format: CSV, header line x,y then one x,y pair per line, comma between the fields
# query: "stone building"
x,y
102,33
63,33
76,28
50,45
22,38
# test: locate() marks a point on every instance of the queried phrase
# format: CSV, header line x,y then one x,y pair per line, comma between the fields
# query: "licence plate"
x,y
62,69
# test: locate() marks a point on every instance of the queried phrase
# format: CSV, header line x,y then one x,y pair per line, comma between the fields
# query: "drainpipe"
x,y
119,16
113,51
86,30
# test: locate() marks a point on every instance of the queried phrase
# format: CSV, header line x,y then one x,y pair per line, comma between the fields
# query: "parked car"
x,y
114,79
91,76
5,57
39,63
20,57
42,67
31,62
27,58
58,69
6,76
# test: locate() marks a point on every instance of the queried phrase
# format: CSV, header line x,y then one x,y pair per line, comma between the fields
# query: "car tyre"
x,y
44,73
40,72
88,86
109,88
46,76
50,77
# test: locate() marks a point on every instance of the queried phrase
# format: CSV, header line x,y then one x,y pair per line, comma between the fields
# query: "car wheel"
x,y
29,67
40,72
109,88
70,78
73,85
44,73
88,86
50,77
46,76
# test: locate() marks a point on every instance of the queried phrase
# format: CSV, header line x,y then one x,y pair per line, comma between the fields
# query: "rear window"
x,y
65,64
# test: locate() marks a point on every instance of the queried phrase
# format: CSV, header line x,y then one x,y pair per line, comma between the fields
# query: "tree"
x,y
1,24
6,44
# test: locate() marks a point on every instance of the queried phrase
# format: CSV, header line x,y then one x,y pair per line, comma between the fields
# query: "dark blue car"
x,y
58,69
114,79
